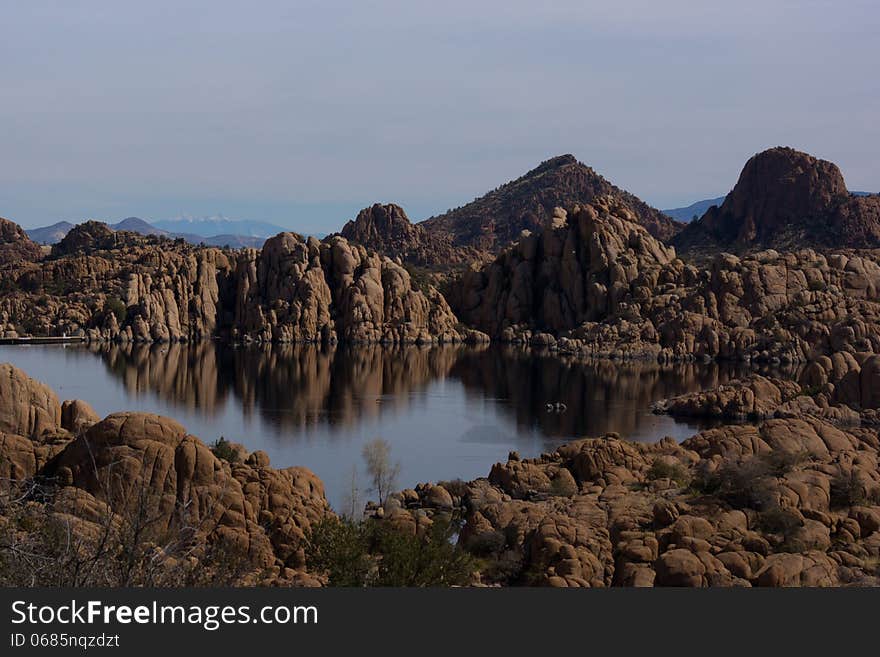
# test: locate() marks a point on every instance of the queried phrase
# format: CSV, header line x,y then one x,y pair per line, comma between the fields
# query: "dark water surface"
x,y
446,411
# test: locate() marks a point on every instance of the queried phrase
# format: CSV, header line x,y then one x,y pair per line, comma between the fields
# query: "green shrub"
x,y
378,553
456,487
224,450
674,471
846,491
117,306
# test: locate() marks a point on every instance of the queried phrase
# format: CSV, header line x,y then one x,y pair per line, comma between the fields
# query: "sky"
x,y
300,113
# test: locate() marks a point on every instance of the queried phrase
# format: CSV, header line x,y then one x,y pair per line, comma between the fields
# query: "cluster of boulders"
x,y
113,285
581,268
305,290
593,282
790,502
138,469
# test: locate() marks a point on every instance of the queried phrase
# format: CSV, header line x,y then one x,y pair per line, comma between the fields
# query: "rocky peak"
x,y
384,227
497,219
86,236
581,267
15,245
97,236
785,198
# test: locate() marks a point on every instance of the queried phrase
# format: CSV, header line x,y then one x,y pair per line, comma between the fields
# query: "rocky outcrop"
x,y
755,398
299,289
492,222
387,230
113,285
15,245
604,287
791,502
582,267
136,470
786,199
27,408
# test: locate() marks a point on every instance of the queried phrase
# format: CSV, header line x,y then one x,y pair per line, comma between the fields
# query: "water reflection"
x,y
299,386
446,411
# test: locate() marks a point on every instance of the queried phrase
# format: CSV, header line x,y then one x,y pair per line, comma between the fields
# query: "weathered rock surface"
x,y
492,222
15,245
756,398
386,229
142,468
116,285
786,199
595,283
579,269
791,502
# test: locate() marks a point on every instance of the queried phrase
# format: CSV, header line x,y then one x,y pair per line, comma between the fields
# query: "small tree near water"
x,y
383,473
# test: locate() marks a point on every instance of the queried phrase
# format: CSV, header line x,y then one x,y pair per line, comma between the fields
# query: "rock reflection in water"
x,y
599,395
446,411
299,386
293,386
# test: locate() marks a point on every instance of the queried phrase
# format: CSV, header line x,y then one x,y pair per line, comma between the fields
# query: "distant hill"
x,y
137,225
496,219
50,234
694,210
56,232
785,199
218,225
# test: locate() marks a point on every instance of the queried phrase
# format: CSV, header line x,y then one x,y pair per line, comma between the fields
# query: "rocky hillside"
x,y
495,220
786,199
388,230
141,501
117,285
15,245
596,283
791,501
578,268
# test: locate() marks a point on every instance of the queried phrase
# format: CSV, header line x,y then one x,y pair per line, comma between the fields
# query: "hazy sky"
x,y
302,112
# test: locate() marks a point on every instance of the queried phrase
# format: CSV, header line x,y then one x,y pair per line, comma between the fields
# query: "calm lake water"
x,y
447,412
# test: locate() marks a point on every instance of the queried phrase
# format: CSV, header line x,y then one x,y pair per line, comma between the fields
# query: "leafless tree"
x,y
383,473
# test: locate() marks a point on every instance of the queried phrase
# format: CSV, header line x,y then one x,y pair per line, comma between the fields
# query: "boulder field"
x,y
137,487
596,283
114,285
791,501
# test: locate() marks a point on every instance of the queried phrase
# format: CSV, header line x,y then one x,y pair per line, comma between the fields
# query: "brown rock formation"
x,y
108,285
136,472
792,502
495,220
580,268
27,407
15,245
608,289
306,290
387,229
786,199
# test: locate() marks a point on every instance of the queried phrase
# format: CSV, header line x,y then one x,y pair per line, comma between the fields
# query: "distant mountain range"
x,y
218,225
212,231
694,210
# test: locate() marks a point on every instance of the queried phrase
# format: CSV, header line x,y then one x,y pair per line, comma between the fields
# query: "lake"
x,y
447,412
